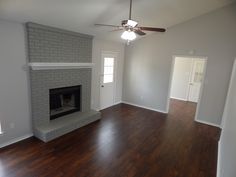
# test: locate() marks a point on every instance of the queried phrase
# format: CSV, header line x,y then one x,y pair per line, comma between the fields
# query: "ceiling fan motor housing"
x,y
129,23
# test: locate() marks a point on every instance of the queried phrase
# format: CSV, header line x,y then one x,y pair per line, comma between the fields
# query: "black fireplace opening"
x,y
64,101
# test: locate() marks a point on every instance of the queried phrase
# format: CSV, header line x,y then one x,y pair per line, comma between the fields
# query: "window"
x,y
108,70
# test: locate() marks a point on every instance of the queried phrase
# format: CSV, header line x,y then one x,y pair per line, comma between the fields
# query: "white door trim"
x,y
116,55
171,76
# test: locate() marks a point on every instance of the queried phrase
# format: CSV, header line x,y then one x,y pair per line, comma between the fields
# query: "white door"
x,y
196,80
107,84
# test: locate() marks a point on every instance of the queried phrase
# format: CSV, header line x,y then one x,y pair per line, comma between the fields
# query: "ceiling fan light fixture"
x,y
131,27
132,23
128,35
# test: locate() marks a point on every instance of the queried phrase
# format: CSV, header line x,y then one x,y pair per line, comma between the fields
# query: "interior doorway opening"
x,y
187,81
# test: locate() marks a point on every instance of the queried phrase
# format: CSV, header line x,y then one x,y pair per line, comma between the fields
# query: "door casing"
x,y
202,85
108,54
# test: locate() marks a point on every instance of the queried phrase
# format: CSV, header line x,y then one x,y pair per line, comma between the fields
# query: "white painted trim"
x,y
110,106
114,54
207,123
191,56
219,160
176,98
15,140
152,109
116,103
50,66
202,85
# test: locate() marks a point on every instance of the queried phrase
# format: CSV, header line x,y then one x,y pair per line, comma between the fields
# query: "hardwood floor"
x,y
127,142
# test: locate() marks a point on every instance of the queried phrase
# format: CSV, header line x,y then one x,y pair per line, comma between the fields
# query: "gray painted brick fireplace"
x,y
52,45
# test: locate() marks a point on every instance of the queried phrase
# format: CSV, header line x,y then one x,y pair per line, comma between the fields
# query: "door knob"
x,y
102,86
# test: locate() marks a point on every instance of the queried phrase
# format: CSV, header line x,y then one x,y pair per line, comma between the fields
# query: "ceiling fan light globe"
x,y
128,35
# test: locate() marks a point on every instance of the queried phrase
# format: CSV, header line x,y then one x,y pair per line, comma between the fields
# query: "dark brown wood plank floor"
x,y
127,142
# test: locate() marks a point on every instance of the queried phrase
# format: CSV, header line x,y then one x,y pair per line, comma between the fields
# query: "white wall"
x,y
99,46
14,91
180,78
148,62
227,145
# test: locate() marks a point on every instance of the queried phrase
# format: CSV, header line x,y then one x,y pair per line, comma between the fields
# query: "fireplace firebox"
x,y
64,101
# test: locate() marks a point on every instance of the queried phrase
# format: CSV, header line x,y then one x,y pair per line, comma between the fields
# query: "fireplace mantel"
x,y
51,66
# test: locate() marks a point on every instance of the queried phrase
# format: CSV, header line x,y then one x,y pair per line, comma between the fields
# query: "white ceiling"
x,y
80,15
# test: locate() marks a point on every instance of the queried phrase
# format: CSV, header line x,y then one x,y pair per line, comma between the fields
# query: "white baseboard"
x,y
119,102
15,140
116,103
219,159
176,98
152,109
207,123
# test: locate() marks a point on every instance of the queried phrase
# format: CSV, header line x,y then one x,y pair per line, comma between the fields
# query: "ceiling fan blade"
x,y
116,26
118,29
152,29
139,32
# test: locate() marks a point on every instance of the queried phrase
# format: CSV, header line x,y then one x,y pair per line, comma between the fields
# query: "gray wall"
x,y
14,92
227,146
148,62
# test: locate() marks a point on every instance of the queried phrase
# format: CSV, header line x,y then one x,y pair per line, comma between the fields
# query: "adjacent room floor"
x,y
127,142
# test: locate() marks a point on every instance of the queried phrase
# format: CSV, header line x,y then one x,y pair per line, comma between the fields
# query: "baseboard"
x,y
116,103
219,159
15,140
140,106
119,102
176,98
207,123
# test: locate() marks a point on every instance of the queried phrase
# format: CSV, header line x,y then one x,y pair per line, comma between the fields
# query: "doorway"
x,y
187,79
108,79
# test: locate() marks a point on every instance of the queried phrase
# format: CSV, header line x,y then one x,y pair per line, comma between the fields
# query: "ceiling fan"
x,y
131,27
